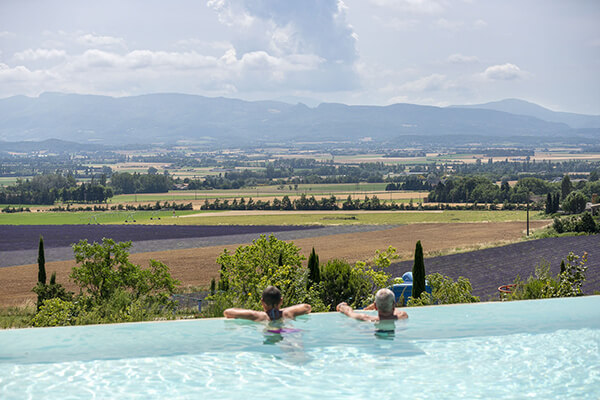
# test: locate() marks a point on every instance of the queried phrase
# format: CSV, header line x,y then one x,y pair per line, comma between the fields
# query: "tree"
x,y
556,202
587,223
549,204
565,187
41,262
574,203
418,272
254,267
313,268
105,269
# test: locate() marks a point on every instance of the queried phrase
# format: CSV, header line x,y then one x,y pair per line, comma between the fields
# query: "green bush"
x,y
445,291
355,284
55,312
105,268
543,285
51,291
339,283
574,203
254,267
583,223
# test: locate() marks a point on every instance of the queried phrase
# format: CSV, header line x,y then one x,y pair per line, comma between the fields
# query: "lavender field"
x,y
490,268
26,237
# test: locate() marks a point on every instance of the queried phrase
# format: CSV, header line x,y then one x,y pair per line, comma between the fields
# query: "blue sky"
x,y
436,52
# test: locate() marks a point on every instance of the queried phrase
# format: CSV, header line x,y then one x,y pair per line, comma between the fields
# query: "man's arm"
x,y
244,314
296,310
346,309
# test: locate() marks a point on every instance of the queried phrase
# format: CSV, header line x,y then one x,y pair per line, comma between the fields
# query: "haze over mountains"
x,y
169,118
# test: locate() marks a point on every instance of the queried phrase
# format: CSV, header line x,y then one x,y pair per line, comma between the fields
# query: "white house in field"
x,y
593,208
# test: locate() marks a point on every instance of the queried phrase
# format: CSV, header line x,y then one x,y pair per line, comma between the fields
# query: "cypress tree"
x,y
314,275
418,272
556,204
549,204
41,262
213,285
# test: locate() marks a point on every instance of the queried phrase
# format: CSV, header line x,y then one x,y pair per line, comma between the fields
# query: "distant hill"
x,y
168,118
521,107
48,145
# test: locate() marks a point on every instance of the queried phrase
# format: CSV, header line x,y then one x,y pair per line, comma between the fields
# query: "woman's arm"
x,y
244,314
296,310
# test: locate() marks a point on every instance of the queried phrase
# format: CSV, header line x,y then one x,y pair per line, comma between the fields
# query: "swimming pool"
x,y
544,349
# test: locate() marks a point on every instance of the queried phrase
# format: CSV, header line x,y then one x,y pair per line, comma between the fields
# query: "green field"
x,y
10,180
89,217
333,218
349,218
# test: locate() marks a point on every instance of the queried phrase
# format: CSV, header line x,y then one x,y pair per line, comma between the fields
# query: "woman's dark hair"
x,y
271,296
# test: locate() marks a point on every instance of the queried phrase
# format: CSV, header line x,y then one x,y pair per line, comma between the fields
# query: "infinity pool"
x,y
542,349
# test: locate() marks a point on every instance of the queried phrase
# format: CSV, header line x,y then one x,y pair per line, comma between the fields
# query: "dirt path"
x,y
194,267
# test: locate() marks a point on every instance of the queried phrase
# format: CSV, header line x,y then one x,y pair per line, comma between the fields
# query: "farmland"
x,y
191,217
196,266
487,269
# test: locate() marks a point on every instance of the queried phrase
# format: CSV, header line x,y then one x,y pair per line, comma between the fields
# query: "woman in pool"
x,y
271,301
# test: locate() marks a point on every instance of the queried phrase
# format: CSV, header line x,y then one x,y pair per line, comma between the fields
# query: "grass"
x,y
17,316
349,218
91,217
217,218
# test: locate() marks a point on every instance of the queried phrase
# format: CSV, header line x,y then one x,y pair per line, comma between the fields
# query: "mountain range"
x,y
169,118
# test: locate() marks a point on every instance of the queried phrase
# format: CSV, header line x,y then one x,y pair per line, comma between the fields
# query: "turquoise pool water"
x,y
547,349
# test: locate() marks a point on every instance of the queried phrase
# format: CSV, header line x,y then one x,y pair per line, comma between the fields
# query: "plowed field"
x,y
196,266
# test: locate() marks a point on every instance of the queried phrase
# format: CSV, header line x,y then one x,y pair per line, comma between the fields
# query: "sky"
x,y
375,52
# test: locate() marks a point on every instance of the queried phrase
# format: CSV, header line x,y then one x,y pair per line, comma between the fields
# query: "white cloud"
x,y
462,59
91,40
6,35
411,6
397,24
317,27
479,24
428,83
504,72
278,34
443,23
39,54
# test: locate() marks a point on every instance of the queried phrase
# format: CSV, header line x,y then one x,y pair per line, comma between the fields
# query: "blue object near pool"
x,y
402,291
544,349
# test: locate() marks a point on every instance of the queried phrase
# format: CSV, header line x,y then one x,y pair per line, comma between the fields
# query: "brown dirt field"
x,y
196,267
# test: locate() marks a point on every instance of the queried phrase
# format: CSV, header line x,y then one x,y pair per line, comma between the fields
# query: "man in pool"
x,y
385,305
271,301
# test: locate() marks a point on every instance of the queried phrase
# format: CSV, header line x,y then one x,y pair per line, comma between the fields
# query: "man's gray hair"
x,y
385,299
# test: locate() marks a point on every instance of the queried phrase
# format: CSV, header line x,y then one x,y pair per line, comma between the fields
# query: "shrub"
x,y
55,312
252,268
567,283
574,203
339,284
445,291
355,284
105,268
51,291
542,286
